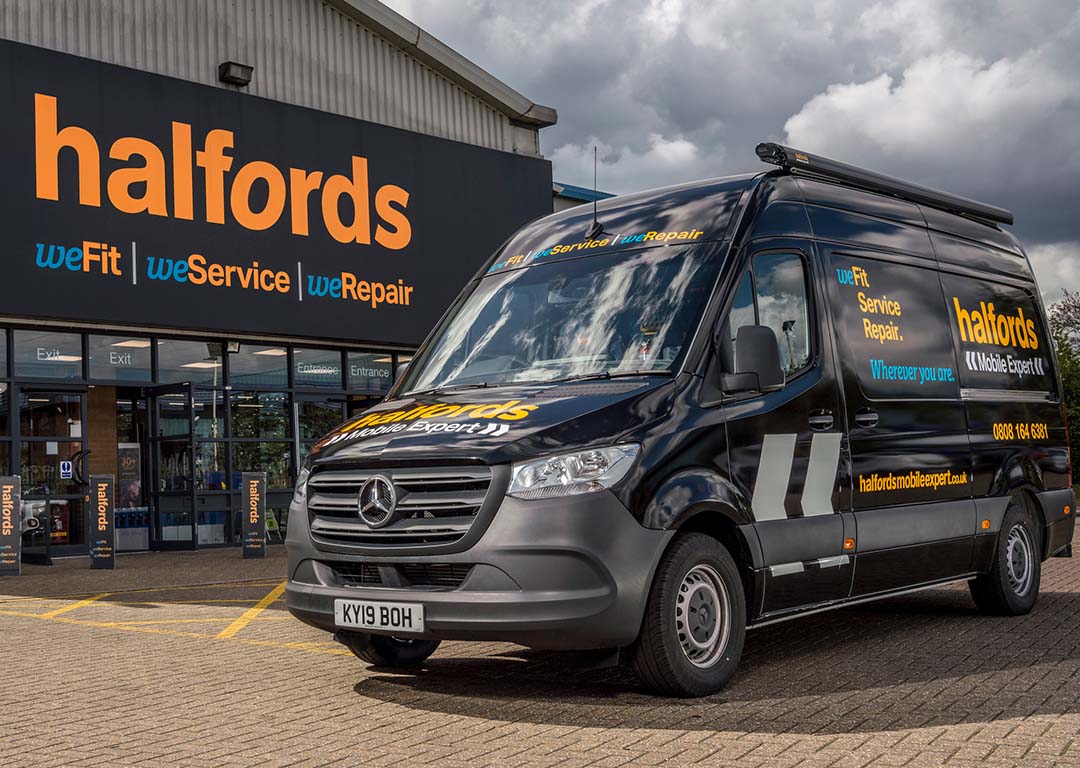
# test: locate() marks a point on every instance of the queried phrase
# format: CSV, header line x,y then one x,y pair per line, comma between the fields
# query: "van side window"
x,y
892,327
779,301
1000,335
780,279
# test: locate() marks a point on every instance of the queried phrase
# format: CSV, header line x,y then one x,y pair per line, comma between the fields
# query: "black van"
x,y
651,425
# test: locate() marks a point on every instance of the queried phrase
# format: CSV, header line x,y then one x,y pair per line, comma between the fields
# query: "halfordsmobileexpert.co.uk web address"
x,y
910,480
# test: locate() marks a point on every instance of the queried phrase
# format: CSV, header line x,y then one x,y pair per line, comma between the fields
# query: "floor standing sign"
x,y
254,514
10,526
103,536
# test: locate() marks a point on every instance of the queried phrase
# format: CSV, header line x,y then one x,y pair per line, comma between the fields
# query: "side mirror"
x,y
757,362
400,373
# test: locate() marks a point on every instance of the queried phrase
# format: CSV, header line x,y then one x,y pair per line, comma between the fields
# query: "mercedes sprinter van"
x,y
651,426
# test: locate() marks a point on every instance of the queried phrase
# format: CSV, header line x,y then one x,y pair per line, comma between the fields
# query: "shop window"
x,y
5,410
259,414
50,414
316,418
370,374
119,358
209,414
40,467
258,365
317,368
48,355
3,353
199,362
273,458
210,472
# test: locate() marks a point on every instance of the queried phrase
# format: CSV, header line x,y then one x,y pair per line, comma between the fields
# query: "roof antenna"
x,y
596,227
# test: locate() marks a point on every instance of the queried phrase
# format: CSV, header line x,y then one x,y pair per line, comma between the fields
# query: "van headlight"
x,y
570,474
301,482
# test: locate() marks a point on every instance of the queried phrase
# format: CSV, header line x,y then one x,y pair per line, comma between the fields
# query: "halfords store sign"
x,y
141,199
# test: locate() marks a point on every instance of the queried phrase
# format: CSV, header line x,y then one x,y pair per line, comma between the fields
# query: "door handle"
x,y
865,417
820,420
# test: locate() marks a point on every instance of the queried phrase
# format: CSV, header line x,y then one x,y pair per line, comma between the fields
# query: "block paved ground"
x,y
141,666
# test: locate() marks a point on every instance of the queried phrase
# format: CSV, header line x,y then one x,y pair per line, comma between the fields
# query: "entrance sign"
x,y
190,206
253,513
103,522
10,526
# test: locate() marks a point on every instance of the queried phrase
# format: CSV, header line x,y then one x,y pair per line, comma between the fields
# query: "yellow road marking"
x,y
74,606
194,621
298,646
252,612
180,588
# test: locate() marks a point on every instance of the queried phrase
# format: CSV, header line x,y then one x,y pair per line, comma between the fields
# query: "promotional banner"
x,y
102,522
253,512
10,526
153,201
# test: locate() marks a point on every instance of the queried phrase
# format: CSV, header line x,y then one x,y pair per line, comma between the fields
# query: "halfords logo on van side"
x,y
984,326
141,183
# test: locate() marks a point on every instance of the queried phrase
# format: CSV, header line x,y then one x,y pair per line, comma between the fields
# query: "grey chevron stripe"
x,y
821,474
774,476
774,471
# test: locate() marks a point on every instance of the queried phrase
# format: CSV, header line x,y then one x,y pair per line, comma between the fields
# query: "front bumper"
x,y
569,573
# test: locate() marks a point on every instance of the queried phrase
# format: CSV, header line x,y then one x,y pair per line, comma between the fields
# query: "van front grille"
x,y
434,505
402,576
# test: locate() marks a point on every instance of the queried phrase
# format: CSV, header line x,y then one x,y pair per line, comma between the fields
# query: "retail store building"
x,y
203,274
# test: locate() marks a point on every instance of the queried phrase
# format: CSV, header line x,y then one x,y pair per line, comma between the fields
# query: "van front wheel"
x,y
387,651
1012,585
695,620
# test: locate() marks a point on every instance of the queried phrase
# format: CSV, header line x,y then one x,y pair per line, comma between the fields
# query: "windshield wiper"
x,y
451,388
609,375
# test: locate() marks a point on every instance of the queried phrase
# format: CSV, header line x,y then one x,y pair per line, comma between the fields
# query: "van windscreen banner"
x,y
140,199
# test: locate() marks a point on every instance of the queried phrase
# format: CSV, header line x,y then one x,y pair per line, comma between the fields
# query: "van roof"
x,y
799,163
694,212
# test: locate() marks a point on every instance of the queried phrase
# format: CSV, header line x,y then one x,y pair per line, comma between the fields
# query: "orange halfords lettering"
x,y
140,184
512,410
984,326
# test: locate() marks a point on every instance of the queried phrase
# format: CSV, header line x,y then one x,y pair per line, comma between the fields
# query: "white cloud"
x,y
978,97
945,106
622,169
1057,266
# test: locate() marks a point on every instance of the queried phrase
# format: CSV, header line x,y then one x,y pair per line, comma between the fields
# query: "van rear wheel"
x,y
695,620
1012,585
387,651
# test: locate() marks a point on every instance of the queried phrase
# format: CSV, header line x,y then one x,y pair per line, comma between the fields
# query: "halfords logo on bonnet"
x,y
434,419
141,183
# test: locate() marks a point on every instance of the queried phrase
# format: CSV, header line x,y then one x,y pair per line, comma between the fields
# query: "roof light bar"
x,y
805,164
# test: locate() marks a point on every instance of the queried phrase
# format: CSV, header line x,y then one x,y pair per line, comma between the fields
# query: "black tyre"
x,y
387,651
695,620
1012,585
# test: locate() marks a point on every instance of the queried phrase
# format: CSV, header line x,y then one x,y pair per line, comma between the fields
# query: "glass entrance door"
x,y
172,467
52,465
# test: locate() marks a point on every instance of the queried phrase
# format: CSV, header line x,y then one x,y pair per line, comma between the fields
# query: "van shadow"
x,y
922,660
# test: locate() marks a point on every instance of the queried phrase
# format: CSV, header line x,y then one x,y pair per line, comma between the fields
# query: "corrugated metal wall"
x,y
304,52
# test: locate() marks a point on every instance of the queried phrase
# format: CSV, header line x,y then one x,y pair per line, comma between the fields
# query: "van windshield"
x,y
616,314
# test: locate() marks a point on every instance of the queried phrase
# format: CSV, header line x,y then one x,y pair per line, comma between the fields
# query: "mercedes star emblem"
x,y
377,501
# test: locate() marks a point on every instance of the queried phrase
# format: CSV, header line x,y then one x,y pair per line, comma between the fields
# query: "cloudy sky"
x,y
972,96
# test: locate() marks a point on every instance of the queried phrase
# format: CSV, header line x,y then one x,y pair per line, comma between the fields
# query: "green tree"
x,y
1065,330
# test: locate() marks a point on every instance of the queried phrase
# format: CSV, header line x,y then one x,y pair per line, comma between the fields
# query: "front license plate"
x,y
368,614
